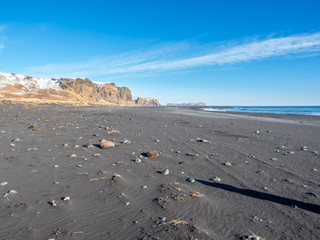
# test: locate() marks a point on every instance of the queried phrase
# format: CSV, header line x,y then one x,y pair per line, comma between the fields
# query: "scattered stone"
x,y
228,164
33,126
113,132
137,160
202,140
257,131
315,152
72,156
304,148
265,188
66,198
96,155
191,180
16,140
79,165
106,144
157,140
144,187
65,145
55,166
314,169
52,203
281,147
256,218
215,179
152,153
12,145
273,159
166,172
89,145
10,192
3,183
163,218
127,203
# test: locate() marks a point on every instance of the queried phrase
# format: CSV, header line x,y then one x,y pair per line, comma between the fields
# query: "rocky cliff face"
x,y
80,90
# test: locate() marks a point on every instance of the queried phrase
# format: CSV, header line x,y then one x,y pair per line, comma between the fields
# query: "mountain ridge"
x,y
81,91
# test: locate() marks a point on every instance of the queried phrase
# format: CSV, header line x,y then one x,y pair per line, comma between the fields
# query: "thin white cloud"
x,y
181,56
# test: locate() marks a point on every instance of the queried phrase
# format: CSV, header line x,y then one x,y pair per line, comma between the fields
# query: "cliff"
x,y
72,90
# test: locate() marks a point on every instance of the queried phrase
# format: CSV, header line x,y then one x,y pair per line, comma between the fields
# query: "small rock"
x,y
106,144
66,198
314,169
72,156
304,148
10,192
144,187
53,203
3,183
257,131
163,218
12,145
273,159
137,160
281,147
79,165
166,172
228,164
33,126
216,179
55,166
191,180
96,155
256,218
16,140
127,203
157,140
152,153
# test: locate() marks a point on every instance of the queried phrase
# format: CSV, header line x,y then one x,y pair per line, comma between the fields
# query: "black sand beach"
x,y
268,167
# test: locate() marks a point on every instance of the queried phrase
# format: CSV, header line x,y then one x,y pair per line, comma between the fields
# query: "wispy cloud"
x,y
184,55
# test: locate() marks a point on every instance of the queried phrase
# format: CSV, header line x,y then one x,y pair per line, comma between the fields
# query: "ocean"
x,y
299,110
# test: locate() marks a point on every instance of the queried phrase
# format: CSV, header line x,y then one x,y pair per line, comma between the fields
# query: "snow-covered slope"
x,y
28,83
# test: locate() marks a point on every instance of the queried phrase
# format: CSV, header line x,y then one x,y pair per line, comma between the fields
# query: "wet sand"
x,y
268,166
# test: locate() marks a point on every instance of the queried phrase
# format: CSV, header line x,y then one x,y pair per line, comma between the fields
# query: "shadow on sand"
x,y
264,196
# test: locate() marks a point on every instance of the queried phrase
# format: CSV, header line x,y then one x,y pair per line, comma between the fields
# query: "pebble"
x,y
273,159
66,198
53,203
152,153
144,187
55,166
10,192
281,147
191,180
256,218
163,218
257,131
216,179
12,145
304,148
3,183
72,156
79,165
65,145
166,172
106,144
96,155
16,140
315,152
314,169
228,164
127,203
137,160
157,140
265,188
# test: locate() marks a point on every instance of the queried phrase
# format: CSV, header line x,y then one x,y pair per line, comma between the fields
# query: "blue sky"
x,y
218,52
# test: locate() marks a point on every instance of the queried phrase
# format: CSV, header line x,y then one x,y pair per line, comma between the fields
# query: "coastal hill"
x,y
80,91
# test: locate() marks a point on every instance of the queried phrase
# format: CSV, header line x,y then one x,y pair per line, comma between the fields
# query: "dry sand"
x,y
269,186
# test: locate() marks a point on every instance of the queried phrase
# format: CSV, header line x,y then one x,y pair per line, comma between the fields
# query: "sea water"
x,y
299,110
